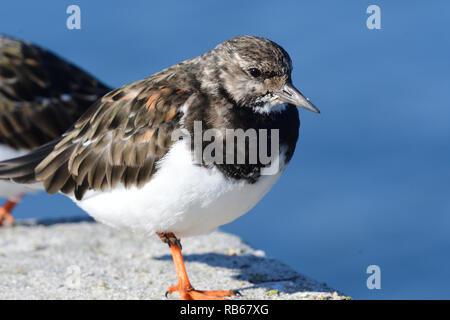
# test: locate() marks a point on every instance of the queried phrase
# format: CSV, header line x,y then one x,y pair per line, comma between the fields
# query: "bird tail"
x,y
22,169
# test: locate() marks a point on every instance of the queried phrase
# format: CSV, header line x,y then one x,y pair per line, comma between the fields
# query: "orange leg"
x,y
184,287
5,212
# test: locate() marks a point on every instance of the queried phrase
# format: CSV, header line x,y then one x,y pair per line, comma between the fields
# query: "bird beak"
x,y
289,94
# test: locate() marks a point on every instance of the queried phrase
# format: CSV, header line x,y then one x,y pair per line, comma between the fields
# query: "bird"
x,y
41,96
130,160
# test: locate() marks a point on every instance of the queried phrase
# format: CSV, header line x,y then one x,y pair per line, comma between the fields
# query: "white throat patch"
x,y
270,106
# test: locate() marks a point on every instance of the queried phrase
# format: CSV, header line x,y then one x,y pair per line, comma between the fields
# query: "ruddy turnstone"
x,y
41,96
130,161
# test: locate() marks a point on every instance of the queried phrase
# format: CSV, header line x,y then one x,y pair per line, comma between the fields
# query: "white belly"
x,y
182,198
9,189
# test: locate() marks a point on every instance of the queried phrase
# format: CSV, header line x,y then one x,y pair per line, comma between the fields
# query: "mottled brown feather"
x,y
118,140
41,95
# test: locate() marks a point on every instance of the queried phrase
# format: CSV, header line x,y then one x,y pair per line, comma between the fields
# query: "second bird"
x,y
41,96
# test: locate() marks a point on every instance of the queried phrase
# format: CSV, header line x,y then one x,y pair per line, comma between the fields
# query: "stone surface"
x,y
86,260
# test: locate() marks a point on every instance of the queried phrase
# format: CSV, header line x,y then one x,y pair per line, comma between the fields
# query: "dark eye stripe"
x,y
256,73
273,74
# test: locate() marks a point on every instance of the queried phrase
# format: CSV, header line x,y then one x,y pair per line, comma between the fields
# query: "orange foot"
x,y
5,215
192,294
184,287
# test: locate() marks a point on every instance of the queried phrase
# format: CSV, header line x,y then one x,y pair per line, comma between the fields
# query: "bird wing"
x,y
118,140
41,95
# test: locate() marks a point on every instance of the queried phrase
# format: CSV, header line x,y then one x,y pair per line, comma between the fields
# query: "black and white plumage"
x,y
119,161
41,96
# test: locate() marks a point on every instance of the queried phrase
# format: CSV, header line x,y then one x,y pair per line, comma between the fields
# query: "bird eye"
x,y
254,72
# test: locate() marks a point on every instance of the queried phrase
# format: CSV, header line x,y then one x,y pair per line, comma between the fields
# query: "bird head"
x,y
256,72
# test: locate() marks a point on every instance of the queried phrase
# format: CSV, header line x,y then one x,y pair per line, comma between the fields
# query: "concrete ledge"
x,y
79,259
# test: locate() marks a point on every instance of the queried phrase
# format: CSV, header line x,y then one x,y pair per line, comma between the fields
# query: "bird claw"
x,y
6,216
190,293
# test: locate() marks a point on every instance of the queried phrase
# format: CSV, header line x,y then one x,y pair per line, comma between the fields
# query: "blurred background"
x,y
370,181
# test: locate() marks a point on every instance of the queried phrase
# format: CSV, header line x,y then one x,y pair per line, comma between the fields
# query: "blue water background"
x,y
370,180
